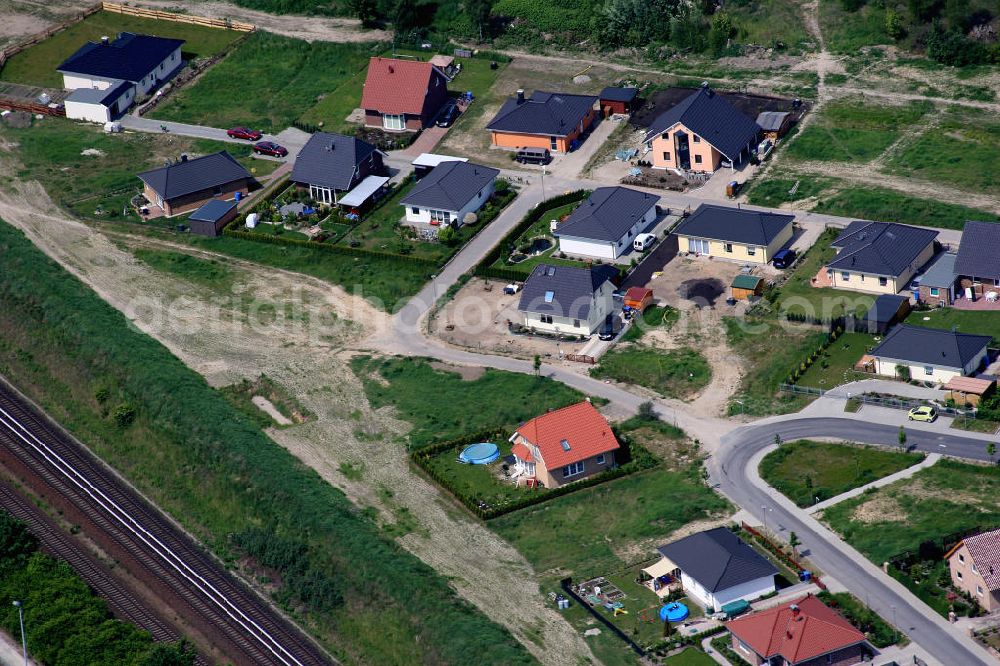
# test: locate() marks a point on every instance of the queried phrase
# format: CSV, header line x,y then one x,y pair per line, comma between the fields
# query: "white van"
x,y
643,242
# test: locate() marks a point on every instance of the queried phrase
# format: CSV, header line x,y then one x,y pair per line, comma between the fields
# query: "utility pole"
x,y
24,640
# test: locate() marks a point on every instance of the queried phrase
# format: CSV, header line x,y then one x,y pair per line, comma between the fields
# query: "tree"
x,y
991,450
647,412
777,439
894,24
537,364
448,235
718,36
924,10
479,13
903,372
404,16
901,437
16,542
366,11
793,540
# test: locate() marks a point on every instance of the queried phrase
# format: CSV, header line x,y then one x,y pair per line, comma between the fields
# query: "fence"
x,y
160,15
31,107
580,358
567,585
13,50
778,552
894,402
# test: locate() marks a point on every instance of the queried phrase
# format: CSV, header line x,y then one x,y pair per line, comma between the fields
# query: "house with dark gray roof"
x,y
553,121
129,67
716,567
701,133
605,225
567,299
978,262
936,285
736,234
448,193
330,165
188,183
879,257
929,354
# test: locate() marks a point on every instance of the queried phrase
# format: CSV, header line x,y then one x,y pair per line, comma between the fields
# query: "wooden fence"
x,y
580,358
160,15
14,49
31,107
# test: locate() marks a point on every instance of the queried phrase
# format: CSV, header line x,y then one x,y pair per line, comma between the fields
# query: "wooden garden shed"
x,y
745,287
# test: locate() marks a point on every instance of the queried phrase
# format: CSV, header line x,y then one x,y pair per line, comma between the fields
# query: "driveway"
x,y
291,138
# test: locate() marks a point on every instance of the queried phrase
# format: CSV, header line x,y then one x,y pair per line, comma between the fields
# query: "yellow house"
x,y
929,354
879,257
700,134
737,234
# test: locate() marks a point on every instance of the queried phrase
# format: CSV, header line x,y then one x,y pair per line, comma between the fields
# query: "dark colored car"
x,y
783,258
448,115
244,133
611,327
533,156
270,148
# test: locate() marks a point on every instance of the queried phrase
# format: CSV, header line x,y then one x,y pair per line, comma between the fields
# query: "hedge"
x,y
806,363
639,459
328,247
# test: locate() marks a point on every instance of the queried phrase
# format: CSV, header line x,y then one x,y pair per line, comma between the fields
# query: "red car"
x,y
244,133
270,148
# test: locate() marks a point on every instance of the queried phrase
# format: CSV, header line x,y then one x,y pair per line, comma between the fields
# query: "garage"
x,y
99,106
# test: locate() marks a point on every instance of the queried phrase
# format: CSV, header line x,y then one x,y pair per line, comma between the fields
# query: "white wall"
x,y
75,81
749,591
887,367
601,304
606,249
93,112
423,215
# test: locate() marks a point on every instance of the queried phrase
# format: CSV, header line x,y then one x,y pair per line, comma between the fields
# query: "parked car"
x,y
512,289
643,242
270,148
922,414
244,133
611,327
448,115
533,156
783,258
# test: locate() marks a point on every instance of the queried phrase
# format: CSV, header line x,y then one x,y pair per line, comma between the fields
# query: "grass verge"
x,y
835,364
875,203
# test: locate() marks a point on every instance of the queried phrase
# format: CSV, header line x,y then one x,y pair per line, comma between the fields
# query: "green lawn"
x,y
655,317
846,32
850,131
37,65
773,192
966,321
202,272
677,373
768,351
479,481
266,82
537,230
805,470
875,203
690,657
443,406
945,498
835,364
964,151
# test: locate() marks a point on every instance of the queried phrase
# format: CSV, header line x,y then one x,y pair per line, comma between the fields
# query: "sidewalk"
x,y
884,481
902,389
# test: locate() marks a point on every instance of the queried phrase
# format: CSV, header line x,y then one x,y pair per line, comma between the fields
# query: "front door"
x,y
683,150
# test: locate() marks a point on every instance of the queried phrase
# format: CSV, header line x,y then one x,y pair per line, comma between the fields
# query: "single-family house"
x,y
567,299
618,100
330,165
746,287
554,121
974,563
886,311
738,234
605,225
129,67
700,134
879,257
978,262
716,567
448,193
401,95
929,354
804,632
936,286
563,446
212,217
188,183
774,124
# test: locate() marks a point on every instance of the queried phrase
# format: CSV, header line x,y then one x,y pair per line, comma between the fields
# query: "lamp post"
x,y
740,403
543,182
895,628
763,517
24,641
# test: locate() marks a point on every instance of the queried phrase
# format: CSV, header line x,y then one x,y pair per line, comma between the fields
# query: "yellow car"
x,y
922,414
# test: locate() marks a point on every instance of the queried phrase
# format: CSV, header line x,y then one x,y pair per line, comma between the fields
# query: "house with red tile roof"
x,y
402,95
806,632
975,568
563,446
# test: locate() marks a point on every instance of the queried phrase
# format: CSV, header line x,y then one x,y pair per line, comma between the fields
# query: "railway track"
x,y
164,555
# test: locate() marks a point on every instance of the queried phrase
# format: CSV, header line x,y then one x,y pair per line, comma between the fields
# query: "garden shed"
x,y
745,287
969,390
212,217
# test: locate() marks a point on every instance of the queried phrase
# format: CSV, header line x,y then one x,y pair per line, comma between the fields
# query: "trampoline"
x,y
674,612
482,453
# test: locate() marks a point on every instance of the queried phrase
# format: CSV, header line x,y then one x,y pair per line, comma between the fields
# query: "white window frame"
x,y
845,276
440,216
751,250
321,194
935,291
959,574
599,460
979,590
728,247
394,121
573,469
883,281
928,370
545,319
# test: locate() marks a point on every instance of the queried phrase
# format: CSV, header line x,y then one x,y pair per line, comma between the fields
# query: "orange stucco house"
x,y
553,121
701,134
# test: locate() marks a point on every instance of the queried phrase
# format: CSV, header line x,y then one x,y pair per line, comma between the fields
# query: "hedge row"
x,y
330,248
483,269
796,374
682,640
639,459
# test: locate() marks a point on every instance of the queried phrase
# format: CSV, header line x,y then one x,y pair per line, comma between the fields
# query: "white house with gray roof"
x,y
605,225
879,257
929,354
567,299
448,193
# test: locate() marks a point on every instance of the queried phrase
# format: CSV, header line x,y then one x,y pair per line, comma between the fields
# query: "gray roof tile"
x,y
930,346
563,291
200,173
717,559
881,248
941,272
548,113
735,225
712,118
331,160
213,210
979,252
450,186
607,214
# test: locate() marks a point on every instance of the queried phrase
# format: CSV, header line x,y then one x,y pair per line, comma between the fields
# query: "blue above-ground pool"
x,y
482,453
674,612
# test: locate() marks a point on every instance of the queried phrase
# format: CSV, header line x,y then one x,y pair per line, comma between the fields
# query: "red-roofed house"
x,y
975,568
801,633
402,94
564,445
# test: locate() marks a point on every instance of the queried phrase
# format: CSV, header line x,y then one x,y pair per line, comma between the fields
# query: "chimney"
x,y
105,41
392,70
520,95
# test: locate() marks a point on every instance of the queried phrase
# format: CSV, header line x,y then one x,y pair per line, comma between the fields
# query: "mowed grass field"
x,y
850,131
965,321
940,500
835,365
808,472
267,82
37,65
876,203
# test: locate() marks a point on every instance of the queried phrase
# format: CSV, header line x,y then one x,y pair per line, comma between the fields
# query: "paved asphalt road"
x,y
734,470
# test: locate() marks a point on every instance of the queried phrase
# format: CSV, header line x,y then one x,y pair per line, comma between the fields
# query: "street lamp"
x,y
895,627
740,403
543,182
24,641
763,517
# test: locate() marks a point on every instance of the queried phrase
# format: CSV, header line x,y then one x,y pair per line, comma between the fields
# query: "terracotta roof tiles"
x,y
585,432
